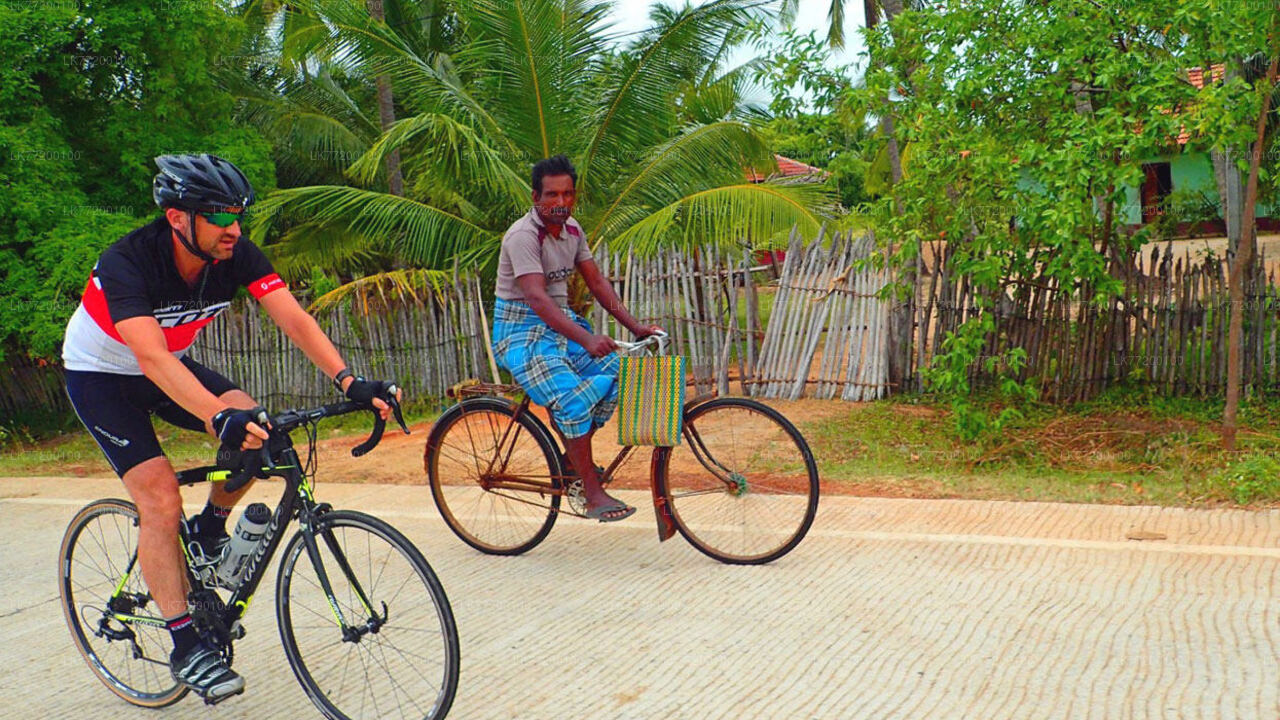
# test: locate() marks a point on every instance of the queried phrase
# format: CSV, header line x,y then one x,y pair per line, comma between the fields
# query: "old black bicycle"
x,y
365,623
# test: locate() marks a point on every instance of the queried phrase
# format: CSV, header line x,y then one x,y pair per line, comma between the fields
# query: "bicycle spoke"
x,y
365,673
493,475
742,488
395,685
98,550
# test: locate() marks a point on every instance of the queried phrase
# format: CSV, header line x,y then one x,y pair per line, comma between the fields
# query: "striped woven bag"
x,y
651,400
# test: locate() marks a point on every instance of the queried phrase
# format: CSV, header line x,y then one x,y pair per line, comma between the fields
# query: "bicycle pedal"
x,y
208,700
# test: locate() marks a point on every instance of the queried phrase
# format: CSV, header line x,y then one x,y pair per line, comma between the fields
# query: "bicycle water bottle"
x,y
244,541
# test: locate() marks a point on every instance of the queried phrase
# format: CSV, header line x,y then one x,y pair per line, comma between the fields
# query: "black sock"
x,y
212,520
184,634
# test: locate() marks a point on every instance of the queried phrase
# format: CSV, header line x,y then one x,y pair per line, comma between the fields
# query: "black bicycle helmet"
x,y
198,182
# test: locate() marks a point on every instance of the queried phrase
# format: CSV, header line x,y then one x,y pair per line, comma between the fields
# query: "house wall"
x,y
1191,172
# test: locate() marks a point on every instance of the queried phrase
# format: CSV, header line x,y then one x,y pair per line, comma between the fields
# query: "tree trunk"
x,y
1243,261
387,110
902,313
1230,195
1230,185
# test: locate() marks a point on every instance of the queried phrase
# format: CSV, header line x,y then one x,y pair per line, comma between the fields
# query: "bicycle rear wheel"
x,y
396,654
495,481
743,486
130,657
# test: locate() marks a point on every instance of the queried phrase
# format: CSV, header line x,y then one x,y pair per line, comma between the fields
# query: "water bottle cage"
x,y
203,565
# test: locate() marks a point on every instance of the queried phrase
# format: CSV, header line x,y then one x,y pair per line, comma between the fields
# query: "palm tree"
x,y
656,129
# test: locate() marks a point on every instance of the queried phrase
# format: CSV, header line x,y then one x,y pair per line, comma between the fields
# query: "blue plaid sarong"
x,y
580,391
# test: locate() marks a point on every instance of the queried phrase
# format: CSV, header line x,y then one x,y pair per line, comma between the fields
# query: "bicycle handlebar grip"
x,y
248,465
378,426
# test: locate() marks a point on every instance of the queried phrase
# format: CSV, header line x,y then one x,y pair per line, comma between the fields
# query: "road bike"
x,y
742,487
365,624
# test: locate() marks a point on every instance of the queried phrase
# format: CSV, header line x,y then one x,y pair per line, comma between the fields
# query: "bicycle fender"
x,y
661,511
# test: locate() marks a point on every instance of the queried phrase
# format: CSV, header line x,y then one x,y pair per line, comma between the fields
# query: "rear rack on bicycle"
x,y
472,387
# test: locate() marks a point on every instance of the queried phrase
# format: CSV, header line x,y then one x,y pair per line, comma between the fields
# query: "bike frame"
x,y
502,455
297,501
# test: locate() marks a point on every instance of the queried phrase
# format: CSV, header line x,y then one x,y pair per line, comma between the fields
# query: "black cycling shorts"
x,y
116,409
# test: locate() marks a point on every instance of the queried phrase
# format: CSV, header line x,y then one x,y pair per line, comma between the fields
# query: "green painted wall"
x,y
1191,173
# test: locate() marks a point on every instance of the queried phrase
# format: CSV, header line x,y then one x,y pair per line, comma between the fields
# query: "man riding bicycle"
x,y
125,353
551,351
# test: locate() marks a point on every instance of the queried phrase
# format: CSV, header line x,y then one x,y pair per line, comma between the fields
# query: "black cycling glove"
x,y
364,391
231,425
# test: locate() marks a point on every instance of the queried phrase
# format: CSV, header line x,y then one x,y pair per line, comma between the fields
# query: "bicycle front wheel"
x,y
743,487
113,621
495,479
385,644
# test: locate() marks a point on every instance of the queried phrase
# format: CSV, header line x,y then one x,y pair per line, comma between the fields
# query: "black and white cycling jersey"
x,y
137,276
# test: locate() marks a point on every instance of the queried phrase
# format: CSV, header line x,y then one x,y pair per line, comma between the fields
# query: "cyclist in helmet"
x,y
125,353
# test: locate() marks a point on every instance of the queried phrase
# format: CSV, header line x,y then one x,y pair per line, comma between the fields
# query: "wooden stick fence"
x,y
1167,328
823,336
827,313
819,330
423,347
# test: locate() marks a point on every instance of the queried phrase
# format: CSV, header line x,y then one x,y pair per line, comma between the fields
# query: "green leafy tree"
x,y
1027,120
814,120
90,91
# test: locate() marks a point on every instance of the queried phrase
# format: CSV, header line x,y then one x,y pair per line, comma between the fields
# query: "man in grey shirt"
x,y
550,350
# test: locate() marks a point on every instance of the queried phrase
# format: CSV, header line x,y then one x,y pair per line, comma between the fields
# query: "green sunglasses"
x,y
221,219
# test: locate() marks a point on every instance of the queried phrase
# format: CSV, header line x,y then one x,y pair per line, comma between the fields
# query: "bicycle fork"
x,y
350,632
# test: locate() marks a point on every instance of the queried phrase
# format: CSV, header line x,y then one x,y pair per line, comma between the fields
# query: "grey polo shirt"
x,y
528,248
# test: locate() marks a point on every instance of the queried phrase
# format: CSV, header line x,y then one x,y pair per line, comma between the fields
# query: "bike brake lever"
x,y
380,425
395,408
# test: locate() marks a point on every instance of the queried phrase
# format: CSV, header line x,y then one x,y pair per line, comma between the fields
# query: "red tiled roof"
x,y
1196,76
786,168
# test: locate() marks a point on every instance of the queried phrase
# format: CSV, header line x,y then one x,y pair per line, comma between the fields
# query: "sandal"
x,y
602,513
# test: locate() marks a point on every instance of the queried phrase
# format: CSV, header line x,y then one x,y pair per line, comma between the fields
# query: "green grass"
x,y
1118,449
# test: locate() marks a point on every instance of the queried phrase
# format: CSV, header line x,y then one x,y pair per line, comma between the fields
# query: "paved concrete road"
x,y
890,609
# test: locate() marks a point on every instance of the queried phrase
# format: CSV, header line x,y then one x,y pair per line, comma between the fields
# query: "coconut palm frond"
x,y
310,246
421,234
702,157
458,152
537,57
638,110
835,27
721,97
758,214
395,287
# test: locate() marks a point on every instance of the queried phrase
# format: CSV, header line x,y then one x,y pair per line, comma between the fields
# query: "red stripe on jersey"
x,y
264,285
95,303
181,337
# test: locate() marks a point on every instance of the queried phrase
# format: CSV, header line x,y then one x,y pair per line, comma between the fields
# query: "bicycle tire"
x,y
494,521
759,501
428,635
96,549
